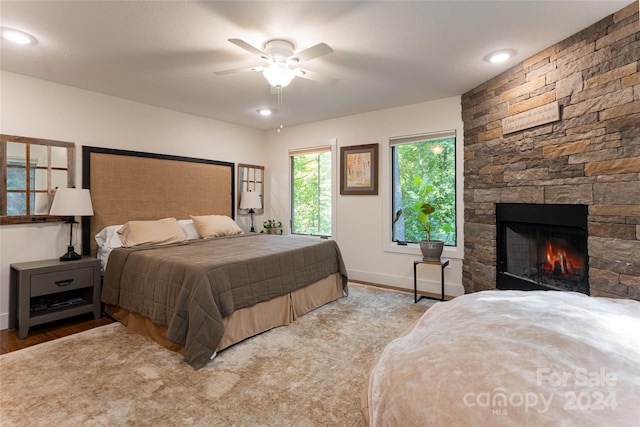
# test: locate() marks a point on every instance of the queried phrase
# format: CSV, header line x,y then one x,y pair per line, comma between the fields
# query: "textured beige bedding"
x,y
512,358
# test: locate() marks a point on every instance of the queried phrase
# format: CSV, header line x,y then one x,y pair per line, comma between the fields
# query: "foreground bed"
x,y
512,358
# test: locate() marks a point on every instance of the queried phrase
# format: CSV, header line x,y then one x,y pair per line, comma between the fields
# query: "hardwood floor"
x,y
9,340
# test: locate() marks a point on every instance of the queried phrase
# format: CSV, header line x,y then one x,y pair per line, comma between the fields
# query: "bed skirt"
x,y
246,322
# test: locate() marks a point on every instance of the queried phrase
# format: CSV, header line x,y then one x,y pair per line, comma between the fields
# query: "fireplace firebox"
x,y
542,247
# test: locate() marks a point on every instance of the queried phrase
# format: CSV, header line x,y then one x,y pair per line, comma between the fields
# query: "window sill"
x,y
454,252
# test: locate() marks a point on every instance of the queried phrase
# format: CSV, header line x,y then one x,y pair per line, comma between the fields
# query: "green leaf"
x,y
427,209
398,215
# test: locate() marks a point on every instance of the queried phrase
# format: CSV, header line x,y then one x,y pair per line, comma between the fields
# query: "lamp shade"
x,y
250,200
72,202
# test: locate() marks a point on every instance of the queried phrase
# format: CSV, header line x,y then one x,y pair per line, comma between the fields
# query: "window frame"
x,y
331,147
453,252
28,141
416,139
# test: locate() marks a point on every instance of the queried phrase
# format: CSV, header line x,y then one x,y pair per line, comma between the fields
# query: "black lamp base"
x,y
251,211
71,255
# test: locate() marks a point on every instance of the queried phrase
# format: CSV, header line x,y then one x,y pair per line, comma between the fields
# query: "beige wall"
x,y
41,109
363,222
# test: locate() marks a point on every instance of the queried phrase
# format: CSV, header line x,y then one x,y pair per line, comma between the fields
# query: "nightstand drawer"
x,y
49,283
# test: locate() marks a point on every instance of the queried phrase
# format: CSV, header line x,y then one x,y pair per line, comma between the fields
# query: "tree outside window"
x,y
311,192
424,160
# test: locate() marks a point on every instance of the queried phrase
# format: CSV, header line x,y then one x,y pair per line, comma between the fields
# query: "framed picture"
x,y
359,170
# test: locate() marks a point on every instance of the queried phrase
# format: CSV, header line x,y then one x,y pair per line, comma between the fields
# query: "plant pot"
x,y
431,249
274,230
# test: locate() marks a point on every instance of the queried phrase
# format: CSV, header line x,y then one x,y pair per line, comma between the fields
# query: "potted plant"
x,y
271,226
424,210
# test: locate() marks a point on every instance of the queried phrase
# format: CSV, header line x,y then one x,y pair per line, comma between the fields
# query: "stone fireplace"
x,y
542,247
589,157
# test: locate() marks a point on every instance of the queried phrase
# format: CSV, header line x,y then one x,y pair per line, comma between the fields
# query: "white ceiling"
x,y
386,53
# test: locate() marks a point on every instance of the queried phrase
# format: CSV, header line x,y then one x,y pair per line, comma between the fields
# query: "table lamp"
x,y
250,200
71,202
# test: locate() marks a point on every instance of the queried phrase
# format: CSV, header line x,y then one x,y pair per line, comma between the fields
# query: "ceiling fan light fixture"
x,y
278,74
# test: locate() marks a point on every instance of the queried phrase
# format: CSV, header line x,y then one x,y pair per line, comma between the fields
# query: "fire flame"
x,y
558,262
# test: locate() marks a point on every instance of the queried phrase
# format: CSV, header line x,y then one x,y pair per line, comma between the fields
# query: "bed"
x,y
191,294
540,358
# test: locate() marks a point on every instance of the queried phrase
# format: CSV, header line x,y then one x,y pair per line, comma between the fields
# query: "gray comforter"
x,y
190,287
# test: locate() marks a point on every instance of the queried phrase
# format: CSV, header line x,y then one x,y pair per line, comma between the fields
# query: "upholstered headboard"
x,y
131,185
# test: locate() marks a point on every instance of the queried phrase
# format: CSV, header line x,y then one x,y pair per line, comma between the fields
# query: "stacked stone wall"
x,y
590,156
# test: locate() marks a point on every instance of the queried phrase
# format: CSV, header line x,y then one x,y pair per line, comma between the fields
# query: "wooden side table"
x,y
442,263
44,291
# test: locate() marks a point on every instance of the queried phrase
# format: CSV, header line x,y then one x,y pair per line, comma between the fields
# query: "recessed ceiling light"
x,y
17,36
499,56
264,111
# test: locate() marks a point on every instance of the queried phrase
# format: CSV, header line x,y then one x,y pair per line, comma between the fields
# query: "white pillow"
x,y
108,237
189,229
215,226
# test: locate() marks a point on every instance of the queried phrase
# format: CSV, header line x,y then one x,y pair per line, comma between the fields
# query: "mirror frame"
x,y
28,219
244,181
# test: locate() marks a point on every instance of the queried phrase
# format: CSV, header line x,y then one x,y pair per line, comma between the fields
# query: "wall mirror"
x,y
250,178
31,170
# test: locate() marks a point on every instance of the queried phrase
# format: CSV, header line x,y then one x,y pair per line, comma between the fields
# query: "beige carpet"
x,y
310,373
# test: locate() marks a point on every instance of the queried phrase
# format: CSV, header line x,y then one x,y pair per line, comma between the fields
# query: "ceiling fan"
x,y
282,60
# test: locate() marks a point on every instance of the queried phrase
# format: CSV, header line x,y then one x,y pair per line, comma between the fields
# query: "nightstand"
x,y
44,291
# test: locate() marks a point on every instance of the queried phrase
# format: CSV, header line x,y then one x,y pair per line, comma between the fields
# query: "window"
x,y
311,191
31,170
424,164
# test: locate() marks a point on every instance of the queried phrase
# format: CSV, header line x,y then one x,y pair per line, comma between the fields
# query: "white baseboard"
x,y
432,286
4,321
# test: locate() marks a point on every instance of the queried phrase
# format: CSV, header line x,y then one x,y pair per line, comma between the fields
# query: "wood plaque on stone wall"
x,y
535,117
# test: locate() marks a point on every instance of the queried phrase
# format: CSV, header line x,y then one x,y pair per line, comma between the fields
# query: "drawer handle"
x,y
65,282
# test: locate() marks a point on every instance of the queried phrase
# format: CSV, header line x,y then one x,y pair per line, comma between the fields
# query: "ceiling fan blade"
x,y
316,77
239,70
246,46
311,53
